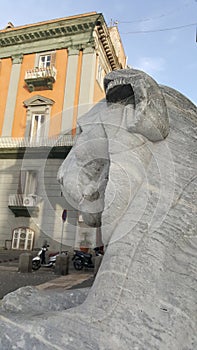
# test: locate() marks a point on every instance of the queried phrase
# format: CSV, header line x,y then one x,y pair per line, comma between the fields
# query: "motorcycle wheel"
x,y
78,264
35,265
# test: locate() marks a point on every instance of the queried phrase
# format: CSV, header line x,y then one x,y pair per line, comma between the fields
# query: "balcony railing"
x,y
20,142
38,77
36,73
24,205
21,200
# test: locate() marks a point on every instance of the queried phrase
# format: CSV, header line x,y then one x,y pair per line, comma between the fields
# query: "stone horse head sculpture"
x,y
132,171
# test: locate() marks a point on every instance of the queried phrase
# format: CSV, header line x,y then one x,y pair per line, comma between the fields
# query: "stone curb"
x,y
8,260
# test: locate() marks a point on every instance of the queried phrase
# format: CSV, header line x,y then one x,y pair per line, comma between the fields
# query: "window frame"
x,y
38,105
39,55
100,74
28,182
44,63
27,241
38,133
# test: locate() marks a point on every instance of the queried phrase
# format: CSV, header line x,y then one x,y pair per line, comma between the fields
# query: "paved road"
x,y
11,279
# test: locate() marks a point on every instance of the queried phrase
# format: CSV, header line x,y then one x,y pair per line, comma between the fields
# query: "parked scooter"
x,y
36,261
81,259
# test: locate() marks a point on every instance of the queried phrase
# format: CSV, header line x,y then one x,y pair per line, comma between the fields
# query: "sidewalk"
x,y
7,256
70,281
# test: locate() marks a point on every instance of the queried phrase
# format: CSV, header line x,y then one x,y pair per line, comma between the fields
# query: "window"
x,y
100,74
37,127
23,238
38,117
44,61
28,182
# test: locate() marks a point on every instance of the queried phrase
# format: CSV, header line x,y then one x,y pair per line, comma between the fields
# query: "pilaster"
x,y
87,80
69,94
12,93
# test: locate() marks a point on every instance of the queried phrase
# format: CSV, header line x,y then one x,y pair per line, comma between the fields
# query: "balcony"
x,y
52,147
24,205
66,140
38,78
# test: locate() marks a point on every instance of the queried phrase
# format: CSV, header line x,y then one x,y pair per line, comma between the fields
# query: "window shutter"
x,y
37,60
53,59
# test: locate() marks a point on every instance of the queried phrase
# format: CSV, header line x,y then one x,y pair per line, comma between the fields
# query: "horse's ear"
x,y
147,114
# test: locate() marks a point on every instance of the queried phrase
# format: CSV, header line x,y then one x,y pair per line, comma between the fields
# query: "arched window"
x,y
23,238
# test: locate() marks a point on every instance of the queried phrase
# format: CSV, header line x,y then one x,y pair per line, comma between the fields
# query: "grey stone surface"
x,y
133,170
29,300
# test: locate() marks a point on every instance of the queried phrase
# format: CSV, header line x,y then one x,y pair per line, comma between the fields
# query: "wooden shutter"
x,y
53,59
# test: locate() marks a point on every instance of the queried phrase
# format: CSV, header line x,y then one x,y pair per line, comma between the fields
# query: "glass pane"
x,y
45,61
29,244
16,234
23,235
22,244
14,244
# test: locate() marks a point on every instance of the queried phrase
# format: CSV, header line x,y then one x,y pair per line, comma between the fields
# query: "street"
x,y
11,279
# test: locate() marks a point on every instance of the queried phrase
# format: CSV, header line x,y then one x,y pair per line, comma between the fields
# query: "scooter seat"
x,y
87,255
80,253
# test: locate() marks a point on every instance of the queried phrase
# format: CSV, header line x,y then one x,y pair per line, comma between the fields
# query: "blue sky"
x,y
168,55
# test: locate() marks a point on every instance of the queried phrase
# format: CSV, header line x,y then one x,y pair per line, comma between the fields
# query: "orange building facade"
x,y
50,73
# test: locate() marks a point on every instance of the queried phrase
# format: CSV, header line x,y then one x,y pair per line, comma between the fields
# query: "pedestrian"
x,y
43,258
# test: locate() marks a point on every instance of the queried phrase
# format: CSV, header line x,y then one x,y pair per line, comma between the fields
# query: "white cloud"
x,y
151,65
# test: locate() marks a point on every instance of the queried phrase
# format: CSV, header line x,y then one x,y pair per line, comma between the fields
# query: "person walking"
x,y
43,254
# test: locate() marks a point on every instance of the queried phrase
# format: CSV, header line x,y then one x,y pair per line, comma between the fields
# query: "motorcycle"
x,y
81,259
36,261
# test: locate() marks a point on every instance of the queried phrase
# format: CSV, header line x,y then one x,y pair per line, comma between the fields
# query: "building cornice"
x,y
45,30
105,40
11,27
72,33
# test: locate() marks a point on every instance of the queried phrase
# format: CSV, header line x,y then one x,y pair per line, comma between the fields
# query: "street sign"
x,y
64,215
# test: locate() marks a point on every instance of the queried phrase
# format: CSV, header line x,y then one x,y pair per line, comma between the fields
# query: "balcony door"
x,y
45,61
28,182
37,127
23,238
38,118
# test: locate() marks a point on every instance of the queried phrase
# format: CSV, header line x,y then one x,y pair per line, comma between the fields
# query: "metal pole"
x,y
62,236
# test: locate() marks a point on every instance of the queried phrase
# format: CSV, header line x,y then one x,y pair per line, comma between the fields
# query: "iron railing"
x,y
21,200
56,141
37,73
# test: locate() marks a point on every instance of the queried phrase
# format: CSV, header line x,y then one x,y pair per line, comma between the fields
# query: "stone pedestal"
x,y
25,263
62,265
